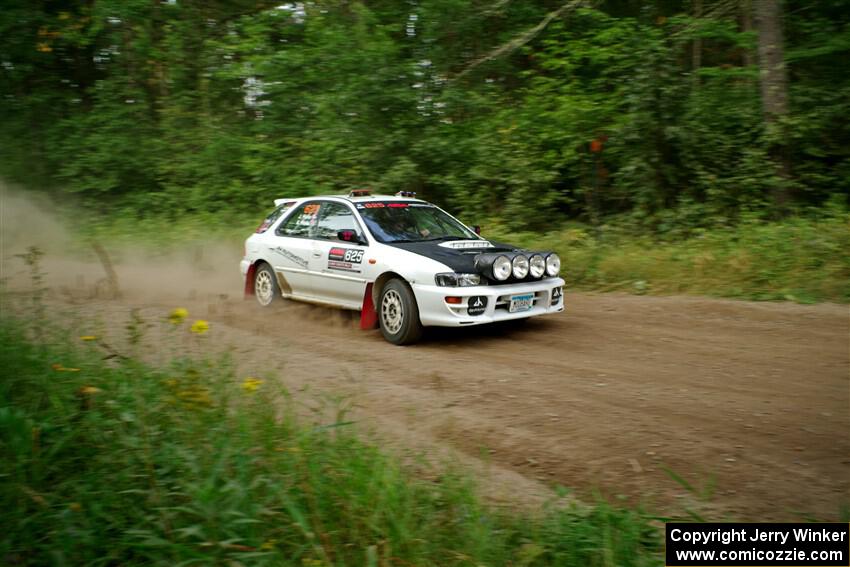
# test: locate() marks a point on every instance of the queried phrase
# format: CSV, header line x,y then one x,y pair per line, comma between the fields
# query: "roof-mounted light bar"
x,y
411,194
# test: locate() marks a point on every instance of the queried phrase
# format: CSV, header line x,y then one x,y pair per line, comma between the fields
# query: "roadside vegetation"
x,y
106,461
805,258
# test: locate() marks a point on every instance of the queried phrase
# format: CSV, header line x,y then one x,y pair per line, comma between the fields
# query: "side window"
x,y
333,218
302,221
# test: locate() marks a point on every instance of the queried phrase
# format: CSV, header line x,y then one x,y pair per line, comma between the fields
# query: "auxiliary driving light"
x,y
537,266
520,266
502,268
553,265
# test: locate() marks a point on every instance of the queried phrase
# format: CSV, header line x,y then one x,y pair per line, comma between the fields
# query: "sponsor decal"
x,y
557,293
476,305
290,256
345,259
311,209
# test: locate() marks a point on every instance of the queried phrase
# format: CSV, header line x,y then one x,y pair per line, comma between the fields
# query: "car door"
x,y
291,247
337,265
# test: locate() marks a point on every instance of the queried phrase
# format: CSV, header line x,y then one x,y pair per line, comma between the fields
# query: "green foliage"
x,y
123,464
167,108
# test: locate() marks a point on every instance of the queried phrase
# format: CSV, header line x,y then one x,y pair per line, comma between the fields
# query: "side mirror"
x,y
477,229
349,235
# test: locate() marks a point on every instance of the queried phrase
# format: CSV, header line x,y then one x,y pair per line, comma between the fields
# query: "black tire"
x,y
398,313
266,290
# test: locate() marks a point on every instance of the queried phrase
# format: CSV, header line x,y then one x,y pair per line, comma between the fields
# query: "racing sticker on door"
x,y
345,259
476,305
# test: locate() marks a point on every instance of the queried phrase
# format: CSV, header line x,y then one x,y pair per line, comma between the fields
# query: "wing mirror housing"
x,y
349,235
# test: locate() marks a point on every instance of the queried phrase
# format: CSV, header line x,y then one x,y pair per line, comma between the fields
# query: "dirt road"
x,y
749,403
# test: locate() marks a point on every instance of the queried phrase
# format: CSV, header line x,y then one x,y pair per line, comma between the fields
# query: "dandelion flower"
x,y
200,327
251,384
88,338
178,315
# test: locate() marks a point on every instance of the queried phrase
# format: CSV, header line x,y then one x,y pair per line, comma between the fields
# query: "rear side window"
x,y
301,222
273,216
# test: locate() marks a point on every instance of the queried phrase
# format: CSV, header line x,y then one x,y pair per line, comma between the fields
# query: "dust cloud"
x,y
73,268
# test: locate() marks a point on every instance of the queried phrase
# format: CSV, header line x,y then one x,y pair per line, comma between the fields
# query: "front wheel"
x,y
399,314
265,285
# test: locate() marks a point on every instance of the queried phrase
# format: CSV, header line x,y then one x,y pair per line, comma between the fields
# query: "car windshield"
x,y
411,222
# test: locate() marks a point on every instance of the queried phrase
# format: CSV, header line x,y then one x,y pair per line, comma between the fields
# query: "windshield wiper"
x,y
444,238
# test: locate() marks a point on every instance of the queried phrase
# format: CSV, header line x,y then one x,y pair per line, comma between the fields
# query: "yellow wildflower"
x,y
89,390
268,545
200,327
251,384
178,315
88,338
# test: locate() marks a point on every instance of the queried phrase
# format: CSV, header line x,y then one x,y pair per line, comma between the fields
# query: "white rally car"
x,y
403,263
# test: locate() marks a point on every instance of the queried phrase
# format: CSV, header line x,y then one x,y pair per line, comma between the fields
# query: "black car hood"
x,y
461,260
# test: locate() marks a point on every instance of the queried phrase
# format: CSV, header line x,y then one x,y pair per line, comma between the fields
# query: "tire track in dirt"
x,y
749,402
751,399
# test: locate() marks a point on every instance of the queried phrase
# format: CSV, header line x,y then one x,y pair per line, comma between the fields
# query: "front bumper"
x,y
435,312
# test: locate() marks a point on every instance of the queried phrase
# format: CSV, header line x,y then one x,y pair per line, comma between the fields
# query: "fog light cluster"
x,y
502,266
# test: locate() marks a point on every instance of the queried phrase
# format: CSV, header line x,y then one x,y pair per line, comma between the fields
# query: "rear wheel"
x,y
265,285
399,314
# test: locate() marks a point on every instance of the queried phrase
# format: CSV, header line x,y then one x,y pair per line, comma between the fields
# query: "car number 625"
x,y
353,256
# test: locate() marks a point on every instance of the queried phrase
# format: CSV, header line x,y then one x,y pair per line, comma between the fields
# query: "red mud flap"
x,y
368,316
249,280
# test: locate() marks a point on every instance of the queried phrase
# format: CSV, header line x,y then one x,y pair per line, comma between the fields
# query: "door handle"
x,y
317,254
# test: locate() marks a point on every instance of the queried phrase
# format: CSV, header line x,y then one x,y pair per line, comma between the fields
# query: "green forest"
x,y
668,112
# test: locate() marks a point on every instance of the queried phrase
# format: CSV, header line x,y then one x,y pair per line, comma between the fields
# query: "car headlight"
x,y
502,268
520,266
537,265
553,265
452,279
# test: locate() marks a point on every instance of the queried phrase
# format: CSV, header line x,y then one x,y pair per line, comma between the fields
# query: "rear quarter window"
x,y
273,216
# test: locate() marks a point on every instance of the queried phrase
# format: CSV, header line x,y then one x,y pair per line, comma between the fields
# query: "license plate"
x,y
521,302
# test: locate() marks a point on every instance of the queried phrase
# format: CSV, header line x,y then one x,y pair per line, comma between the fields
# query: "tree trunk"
x,y
696,55
747,26
773,79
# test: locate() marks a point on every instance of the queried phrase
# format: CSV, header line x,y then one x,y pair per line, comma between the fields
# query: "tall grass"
x,y
800,259
111,462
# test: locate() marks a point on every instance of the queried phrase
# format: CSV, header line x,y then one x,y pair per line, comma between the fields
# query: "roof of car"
x,y
376,197
352,199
